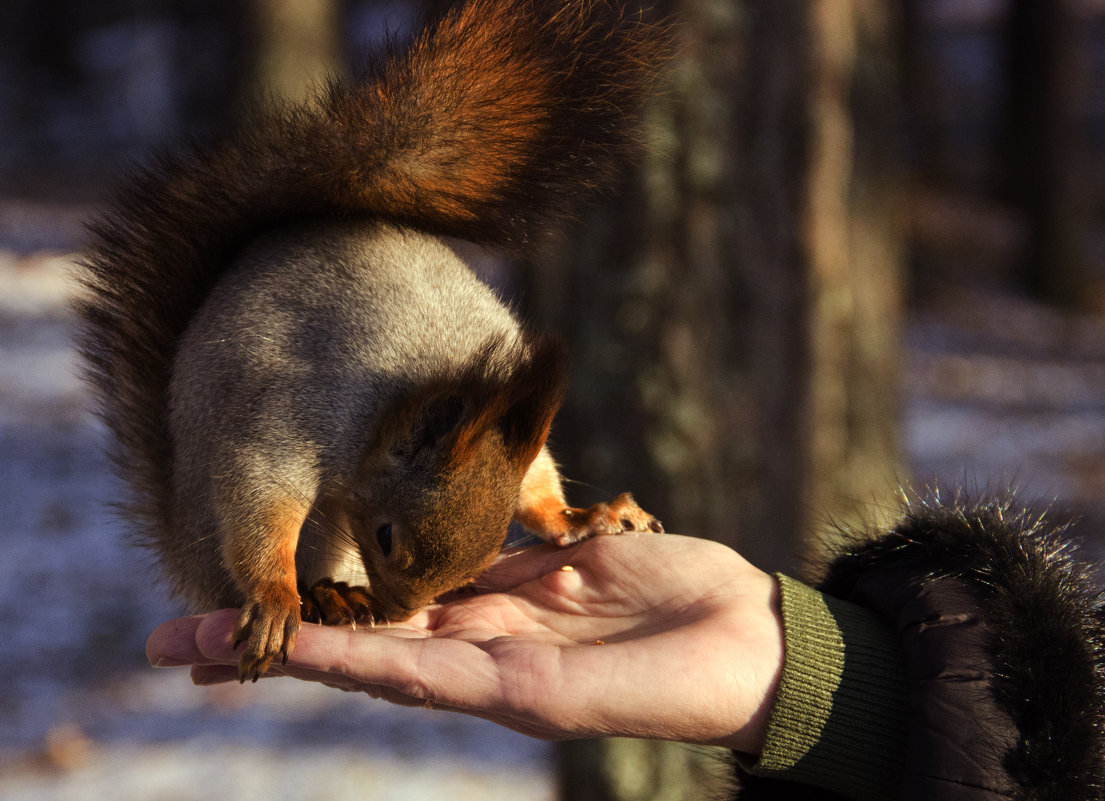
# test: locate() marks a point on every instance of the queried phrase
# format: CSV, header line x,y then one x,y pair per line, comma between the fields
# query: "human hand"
x,y
647,635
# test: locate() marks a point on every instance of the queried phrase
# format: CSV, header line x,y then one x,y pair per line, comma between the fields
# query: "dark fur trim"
x,y
756,788
1045,612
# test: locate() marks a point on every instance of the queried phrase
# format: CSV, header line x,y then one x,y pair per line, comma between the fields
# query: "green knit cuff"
x,y
840,713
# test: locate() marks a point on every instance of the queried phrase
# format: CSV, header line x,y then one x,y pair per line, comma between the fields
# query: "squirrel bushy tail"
x,y
487,128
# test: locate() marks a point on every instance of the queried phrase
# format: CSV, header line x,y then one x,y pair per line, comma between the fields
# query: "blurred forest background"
x,y
864,248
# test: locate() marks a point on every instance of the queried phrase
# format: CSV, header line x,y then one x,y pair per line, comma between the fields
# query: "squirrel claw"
x,y
268,628
335,603
618,516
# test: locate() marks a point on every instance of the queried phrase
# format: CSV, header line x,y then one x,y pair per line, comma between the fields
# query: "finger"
x,y
438,674
517,566
387,663
402,669
174,643
214,637
366,656
208,675
207,642
409,670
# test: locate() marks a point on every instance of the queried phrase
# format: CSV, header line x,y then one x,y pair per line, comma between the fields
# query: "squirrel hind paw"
x,y
335,603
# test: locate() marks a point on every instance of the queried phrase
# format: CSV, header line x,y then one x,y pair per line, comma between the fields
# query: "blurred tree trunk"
x,y
733,319
1046,158
294,46
856,269
734,316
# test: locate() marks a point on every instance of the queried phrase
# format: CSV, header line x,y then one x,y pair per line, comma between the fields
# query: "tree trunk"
x,y
295,46
855,268
733,318
1046,152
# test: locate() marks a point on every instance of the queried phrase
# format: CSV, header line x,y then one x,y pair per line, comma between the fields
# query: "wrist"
x,y
759,640
839,717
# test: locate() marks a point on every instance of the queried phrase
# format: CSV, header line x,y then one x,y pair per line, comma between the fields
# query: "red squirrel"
x,y
318,409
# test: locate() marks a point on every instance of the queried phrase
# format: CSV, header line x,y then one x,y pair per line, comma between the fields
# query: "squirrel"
x,y
320,412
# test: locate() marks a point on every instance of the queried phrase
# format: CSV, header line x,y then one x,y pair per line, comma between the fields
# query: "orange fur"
x,y
265,561
543,510
264,566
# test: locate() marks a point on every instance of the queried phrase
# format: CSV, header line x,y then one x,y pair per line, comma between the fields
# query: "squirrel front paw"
x,y
268,625
614,517
335,603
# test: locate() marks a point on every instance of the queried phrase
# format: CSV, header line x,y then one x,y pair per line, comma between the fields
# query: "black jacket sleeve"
x,y
1002,633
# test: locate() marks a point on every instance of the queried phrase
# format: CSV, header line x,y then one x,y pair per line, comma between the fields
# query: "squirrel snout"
x,y
396,613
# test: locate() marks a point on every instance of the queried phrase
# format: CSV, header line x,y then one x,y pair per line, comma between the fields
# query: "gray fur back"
x,y
306,339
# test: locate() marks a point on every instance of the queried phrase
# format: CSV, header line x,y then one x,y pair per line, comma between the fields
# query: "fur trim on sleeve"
x,y
1043,629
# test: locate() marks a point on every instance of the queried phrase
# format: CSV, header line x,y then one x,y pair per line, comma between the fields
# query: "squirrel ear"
x,y
448,421
519,403
537,393
436,423
422,427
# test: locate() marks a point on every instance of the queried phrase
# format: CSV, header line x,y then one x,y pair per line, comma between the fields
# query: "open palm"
x,y
644,635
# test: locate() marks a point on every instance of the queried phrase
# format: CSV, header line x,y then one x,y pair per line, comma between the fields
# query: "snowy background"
x,y
998,390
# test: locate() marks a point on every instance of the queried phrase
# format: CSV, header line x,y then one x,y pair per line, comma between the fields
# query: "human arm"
x,y
998,629
690,631
691,646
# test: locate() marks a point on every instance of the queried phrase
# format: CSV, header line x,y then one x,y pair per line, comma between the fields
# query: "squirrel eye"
x,y
383,539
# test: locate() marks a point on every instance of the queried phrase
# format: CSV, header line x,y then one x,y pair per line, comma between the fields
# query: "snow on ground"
x,y
996,390
1000,391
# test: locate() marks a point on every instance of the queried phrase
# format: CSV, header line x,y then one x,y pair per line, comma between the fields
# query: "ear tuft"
x,y
538,391
512,390
422,426
519,390
436,422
